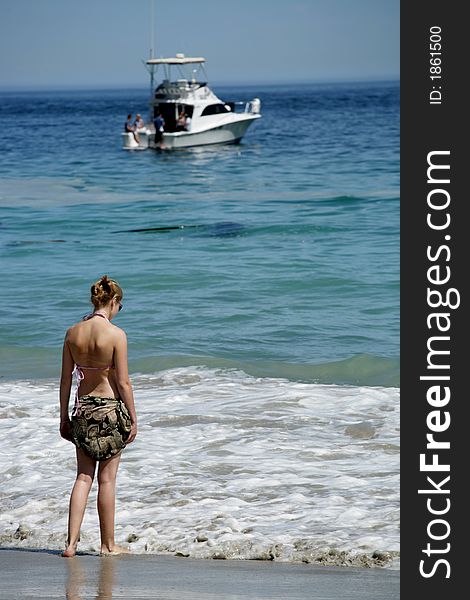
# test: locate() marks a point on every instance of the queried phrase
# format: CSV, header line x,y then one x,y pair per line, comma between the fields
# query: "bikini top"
x,y
78,371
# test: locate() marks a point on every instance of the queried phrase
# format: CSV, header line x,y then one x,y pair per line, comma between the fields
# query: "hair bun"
x,y
104,290
105,281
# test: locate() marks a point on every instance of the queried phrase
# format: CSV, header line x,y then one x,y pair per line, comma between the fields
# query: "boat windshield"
x,y
189,69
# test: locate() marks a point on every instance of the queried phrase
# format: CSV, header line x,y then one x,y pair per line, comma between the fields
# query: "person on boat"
x,y
181,121
159,123
129,127
139,122
103,419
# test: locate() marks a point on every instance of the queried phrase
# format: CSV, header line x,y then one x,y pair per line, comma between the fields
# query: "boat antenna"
x,y
152,27
152,46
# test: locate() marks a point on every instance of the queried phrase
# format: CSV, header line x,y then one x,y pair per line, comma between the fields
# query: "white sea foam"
x,y
224,465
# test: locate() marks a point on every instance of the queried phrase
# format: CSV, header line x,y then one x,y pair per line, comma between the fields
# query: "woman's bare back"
x,y
92,345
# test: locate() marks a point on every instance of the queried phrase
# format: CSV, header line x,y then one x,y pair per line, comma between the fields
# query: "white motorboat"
x,y
193,115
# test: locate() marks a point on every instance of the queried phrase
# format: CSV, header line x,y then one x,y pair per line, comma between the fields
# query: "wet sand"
x,y
34,575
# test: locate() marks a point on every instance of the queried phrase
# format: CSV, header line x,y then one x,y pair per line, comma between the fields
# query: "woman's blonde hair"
x,y
104,290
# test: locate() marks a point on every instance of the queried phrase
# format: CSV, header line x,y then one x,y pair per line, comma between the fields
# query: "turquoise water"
x,y
278,256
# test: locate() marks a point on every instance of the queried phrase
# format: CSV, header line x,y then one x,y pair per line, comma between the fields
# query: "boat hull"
x,y
221,132
227,133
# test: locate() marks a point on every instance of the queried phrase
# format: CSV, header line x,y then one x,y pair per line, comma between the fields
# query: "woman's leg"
x,y
78,499
107,471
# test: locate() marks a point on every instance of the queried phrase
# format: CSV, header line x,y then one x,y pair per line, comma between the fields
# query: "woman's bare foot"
x,y
114,550
70,550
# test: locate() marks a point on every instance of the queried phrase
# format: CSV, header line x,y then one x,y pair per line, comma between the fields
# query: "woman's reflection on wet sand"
x,y
79,584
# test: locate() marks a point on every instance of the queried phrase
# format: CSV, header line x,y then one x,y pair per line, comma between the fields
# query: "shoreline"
x,y
153,577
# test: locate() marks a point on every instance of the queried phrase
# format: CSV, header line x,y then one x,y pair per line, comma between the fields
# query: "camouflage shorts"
x,y
100,426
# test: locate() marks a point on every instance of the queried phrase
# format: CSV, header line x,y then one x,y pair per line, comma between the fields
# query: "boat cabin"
x,y
187,94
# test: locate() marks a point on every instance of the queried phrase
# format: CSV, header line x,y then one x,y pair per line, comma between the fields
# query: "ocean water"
x,y
261,312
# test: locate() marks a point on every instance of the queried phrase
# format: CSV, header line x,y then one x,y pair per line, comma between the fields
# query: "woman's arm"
x,y
123,382
65,387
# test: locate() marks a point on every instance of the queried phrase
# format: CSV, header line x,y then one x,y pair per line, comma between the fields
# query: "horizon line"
x,y
247,83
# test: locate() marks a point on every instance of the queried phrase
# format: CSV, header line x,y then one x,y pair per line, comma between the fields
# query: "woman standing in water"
x,y
103,419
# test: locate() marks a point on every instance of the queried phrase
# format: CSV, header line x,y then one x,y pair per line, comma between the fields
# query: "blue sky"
x,y
100,43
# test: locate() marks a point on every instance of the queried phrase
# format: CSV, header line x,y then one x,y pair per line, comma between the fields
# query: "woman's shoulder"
x,y
119,337
118,332
72,329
